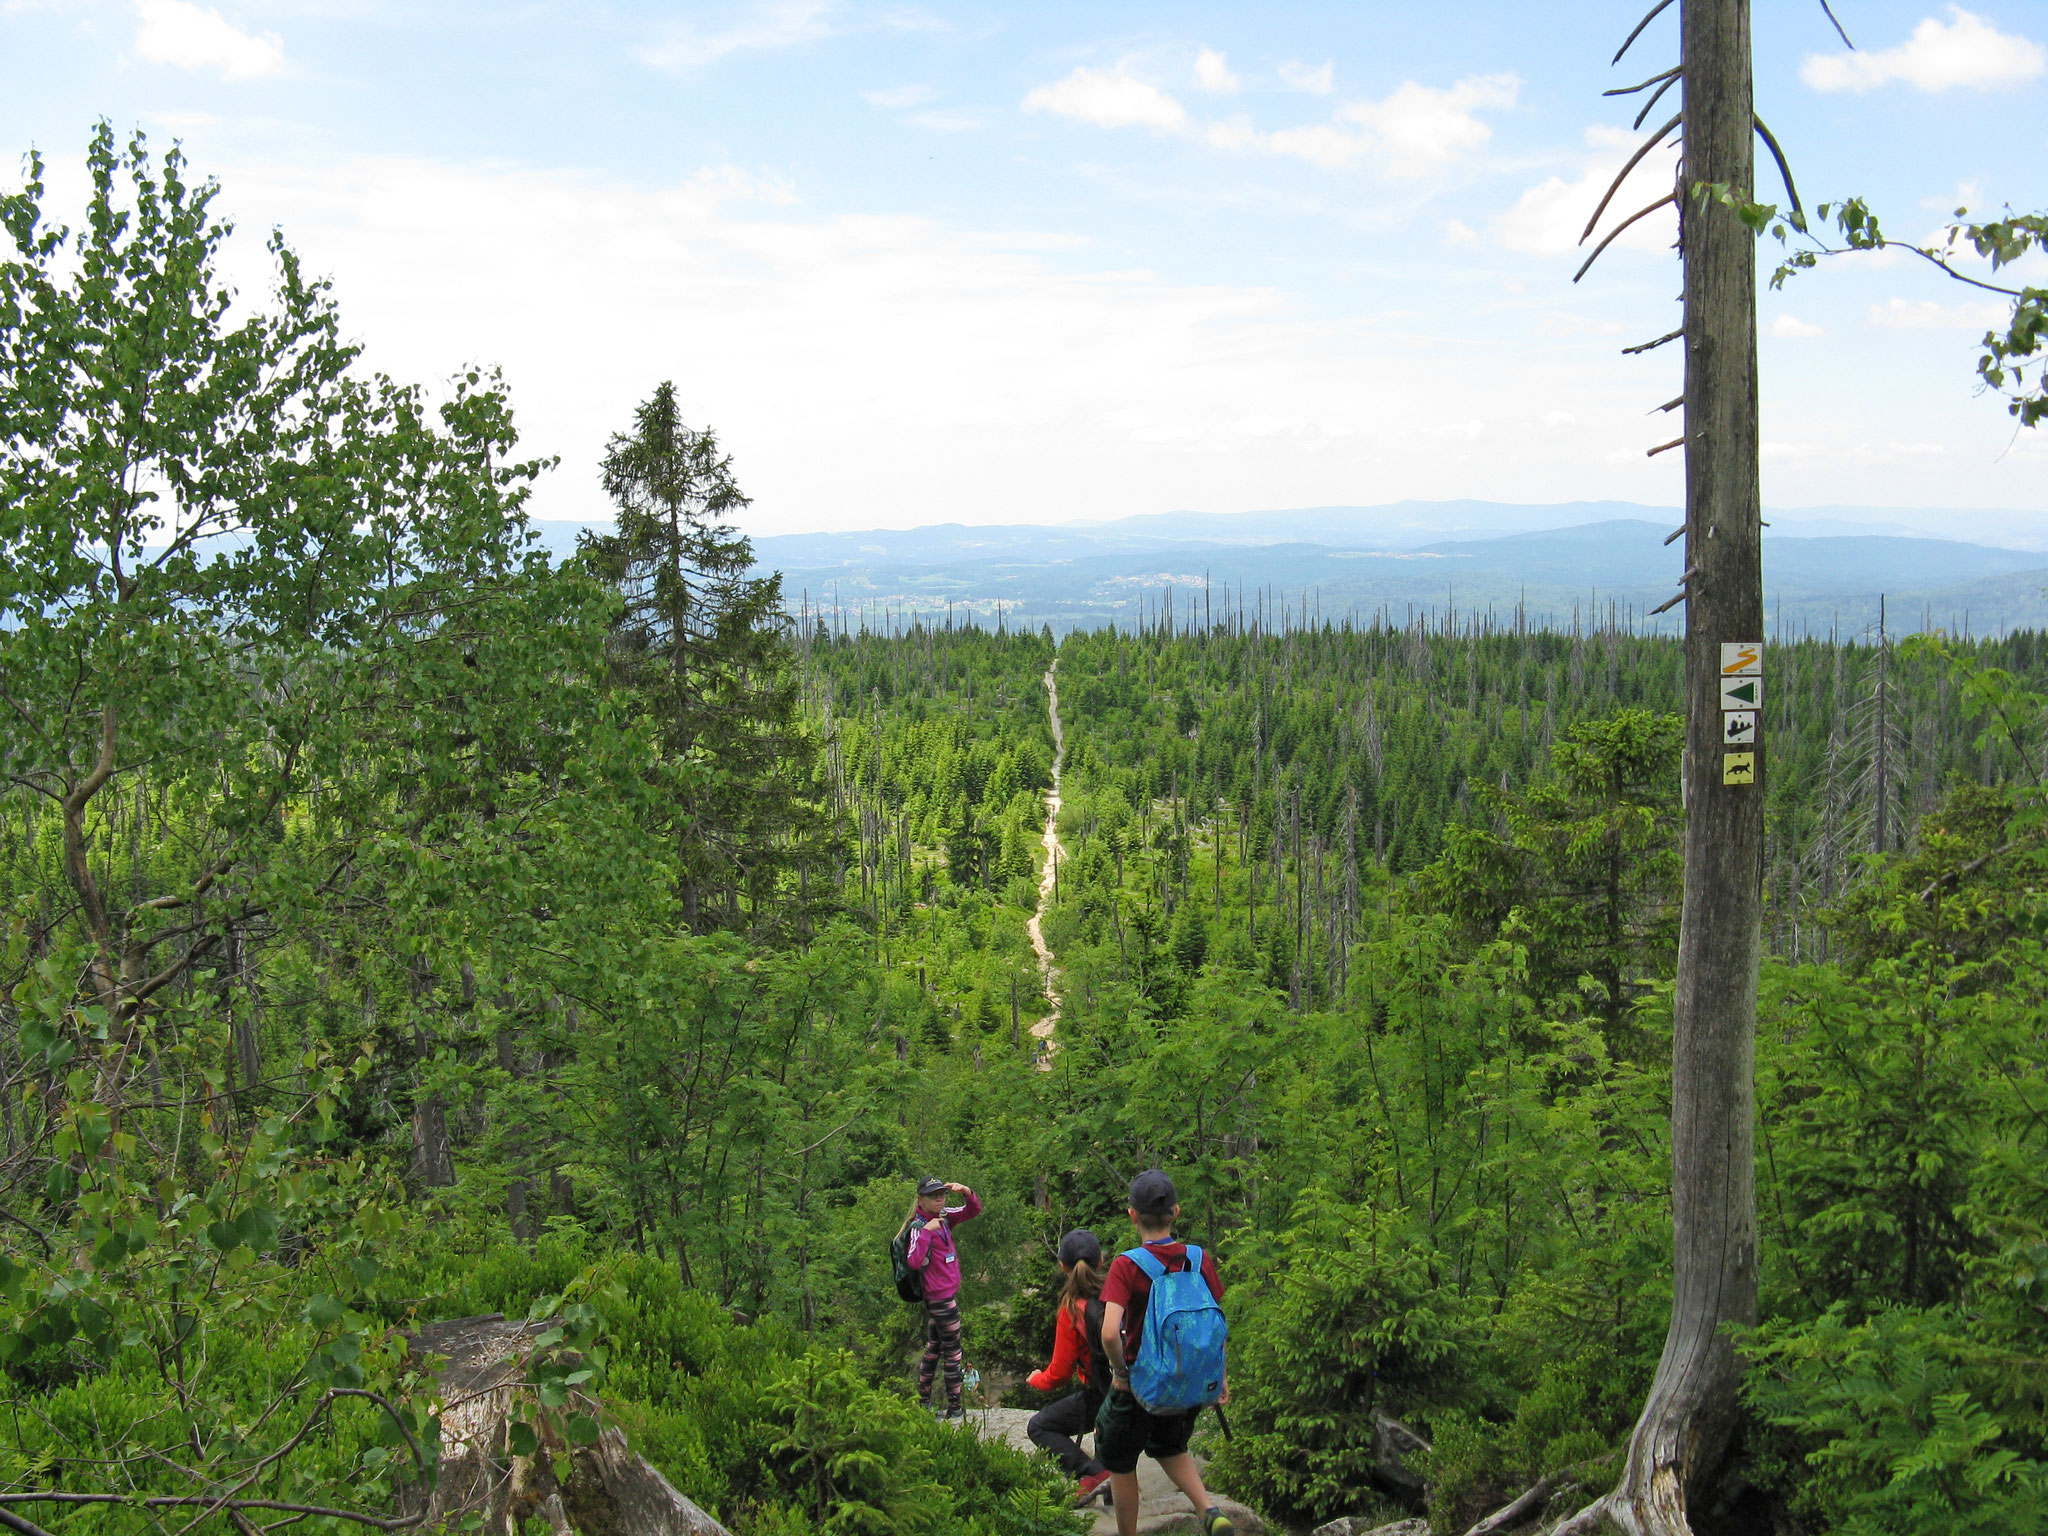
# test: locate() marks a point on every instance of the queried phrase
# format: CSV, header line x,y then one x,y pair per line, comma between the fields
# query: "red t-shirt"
x,y
1130,1287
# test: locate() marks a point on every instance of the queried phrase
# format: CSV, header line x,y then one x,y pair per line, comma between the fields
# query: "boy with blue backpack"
x,y
1163,1330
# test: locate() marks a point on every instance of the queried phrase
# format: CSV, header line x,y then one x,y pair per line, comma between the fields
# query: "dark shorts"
x,y
1123,1431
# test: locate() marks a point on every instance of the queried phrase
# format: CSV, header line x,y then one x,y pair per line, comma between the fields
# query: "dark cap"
x,y
1152,1194
1080,1247
931,1184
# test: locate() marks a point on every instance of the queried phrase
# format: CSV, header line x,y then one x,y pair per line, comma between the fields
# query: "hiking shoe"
x,y
955,1415
1216,1523
1091,1485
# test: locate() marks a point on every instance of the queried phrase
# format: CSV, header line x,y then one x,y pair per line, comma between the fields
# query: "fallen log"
x,y
1525,1504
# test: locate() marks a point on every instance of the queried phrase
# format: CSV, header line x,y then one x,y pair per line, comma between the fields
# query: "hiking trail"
x,y
1048,877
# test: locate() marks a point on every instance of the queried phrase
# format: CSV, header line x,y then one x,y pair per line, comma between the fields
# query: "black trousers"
x,y
1057,1427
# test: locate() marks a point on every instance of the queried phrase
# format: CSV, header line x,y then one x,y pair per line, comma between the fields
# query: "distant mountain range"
x,y
1581,562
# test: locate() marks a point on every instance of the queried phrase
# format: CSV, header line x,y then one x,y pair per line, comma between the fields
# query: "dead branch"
x,y
1668,336
1655,11
1634,160
1777,154
1511,1514
1630,90
1838,26
1954,876
177,1501
1615,234
1655,97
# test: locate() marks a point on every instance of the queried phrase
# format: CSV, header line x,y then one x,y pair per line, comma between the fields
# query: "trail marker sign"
x,y
1742,697
1742,693
1742,658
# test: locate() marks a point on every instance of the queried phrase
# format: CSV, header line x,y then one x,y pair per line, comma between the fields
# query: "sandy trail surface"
x,y
1047,877
1161,1506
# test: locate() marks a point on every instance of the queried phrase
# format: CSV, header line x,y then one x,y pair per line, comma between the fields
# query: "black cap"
x,y
931,1184
1080,1246
1152,1194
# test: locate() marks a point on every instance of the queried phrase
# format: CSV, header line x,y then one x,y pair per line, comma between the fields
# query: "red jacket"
x,y
1070,1352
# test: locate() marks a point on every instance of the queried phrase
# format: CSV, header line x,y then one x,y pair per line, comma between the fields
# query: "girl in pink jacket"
x,y
933,1256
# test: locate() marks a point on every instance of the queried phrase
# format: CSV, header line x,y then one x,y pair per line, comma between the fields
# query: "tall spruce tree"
x,y
702,640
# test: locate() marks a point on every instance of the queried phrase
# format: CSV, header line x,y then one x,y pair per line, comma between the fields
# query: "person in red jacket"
x,y
933,1255
1076,1349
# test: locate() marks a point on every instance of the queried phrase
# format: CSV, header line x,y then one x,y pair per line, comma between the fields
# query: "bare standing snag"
x,y
1680,1439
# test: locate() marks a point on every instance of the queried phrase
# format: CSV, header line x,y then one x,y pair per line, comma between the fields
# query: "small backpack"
x,y
1180,1355
909,1282
1098,1357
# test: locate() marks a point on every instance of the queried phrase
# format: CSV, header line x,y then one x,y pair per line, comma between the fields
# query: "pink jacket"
x,y
934,1253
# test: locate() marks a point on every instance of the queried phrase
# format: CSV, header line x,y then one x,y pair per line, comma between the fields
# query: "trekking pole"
x,y
1223,1419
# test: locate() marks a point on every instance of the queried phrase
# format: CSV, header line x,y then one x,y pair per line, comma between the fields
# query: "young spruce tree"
x,y
701,639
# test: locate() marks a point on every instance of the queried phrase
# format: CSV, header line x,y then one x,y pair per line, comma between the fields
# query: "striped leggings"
x,y
941,1347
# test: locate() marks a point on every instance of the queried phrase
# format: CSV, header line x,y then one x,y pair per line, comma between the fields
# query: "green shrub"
x,y
1906,1422
1348,1319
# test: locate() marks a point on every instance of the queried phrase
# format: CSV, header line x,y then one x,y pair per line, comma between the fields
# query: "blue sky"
x,y
1037,263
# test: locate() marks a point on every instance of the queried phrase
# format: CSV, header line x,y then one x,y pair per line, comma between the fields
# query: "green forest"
x,y
401,927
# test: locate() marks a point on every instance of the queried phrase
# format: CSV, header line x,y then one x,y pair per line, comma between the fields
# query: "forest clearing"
x,y
588,1043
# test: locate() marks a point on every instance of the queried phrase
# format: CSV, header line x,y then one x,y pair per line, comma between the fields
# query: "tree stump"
x,y
603,1489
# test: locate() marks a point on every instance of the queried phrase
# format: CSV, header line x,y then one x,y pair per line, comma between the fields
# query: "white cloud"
x,y
1322,144
1455,431
898,97
875,369
1930,315
1792,327
1549,217
189,36
831,351
1212,73
1316,80
1965,51
1233,132
1788,453
770,25
1413,132
1108,99
1419,129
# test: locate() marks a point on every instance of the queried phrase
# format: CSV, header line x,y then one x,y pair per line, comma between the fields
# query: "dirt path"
x,y
1048,977
1161,1508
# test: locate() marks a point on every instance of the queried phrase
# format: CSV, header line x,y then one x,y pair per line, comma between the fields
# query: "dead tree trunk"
x,y
1679,1441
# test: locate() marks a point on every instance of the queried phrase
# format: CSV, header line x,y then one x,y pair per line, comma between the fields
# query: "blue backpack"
x,y
1180,1354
